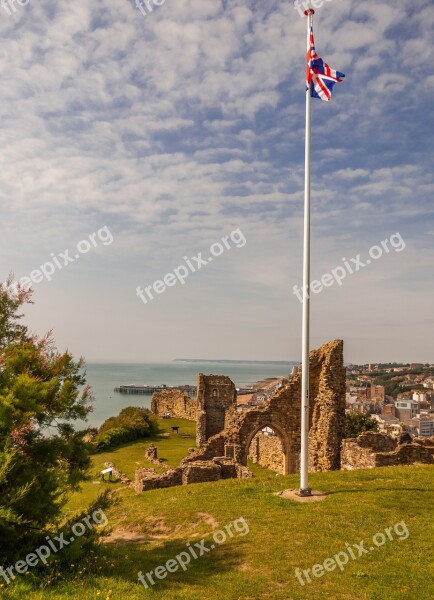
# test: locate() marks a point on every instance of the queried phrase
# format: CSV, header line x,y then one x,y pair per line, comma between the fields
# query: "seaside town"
x,y
399,397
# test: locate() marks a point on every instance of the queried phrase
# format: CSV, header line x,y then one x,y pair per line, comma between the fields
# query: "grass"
x,y
283,535
171,447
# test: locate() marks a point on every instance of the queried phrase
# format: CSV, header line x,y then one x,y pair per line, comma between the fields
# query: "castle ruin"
x,y
225,437
270,434
234,431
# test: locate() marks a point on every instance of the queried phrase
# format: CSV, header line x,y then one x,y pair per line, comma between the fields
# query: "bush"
x,y
131,424
357,424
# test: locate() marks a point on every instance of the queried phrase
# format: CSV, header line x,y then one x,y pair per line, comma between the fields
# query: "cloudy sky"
x,y
172,129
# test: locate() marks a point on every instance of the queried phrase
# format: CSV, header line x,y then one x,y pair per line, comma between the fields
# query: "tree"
x,y
42,457
357,424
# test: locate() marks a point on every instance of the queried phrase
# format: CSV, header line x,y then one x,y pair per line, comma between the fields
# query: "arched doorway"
x,y
280,439
266,449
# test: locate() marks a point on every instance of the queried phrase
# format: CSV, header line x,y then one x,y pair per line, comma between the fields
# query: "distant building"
x,y
423,425
388,409
406,410
389,424
357,406
377,392
428,383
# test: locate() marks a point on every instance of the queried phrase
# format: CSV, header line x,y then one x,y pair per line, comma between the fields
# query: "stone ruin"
x,y
152,455
176,402
267,450
197,471
224,435
227,437
216,395
281,413
372,449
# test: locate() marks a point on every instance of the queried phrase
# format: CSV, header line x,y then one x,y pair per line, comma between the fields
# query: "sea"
x,y
104,377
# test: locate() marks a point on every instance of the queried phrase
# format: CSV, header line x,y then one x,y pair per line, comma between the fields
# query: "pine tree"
x,y
42,457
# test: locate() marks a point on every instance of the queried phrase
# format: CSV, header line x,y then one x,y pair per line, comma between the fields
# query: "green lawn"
x,y
283,535
171,448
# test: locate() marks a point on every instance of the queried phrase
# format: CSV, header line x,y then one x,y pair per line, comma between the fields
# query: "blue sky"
x,y
176,128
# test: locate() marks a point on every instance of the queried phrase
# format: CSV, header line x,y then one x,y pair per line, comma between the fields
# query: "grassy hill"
x,y
151,528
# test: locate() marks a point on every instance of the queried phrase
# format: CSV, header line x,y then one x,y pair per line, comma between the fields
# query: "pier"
x,y
151,389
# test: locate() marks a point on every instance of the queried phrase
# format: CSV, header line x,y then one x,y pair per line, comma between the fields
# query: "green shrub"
x,y
357,424
132,423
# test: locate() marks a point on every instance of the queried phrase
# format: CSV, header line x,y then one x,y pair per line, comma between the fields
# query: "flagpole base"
x,y
303,492
295,496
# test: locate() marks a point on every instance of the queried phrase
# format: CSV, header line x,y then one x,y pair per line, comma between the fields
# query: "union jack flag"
x,y
320,78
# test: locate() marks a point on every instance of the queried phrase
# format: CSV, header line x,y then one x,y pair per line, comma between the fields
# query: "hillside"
x,y
150,529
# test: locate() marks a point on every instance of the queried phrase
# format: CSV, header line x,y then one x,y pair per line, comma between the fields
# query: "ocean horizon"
x,y
103,377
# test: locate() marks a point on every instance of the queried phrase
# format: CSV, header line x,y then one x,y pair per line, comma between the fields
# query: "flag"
x,y
320,78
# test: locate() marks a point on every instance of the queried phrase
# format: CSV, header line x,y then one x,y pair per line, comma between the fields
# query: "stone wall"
x,y
427,443
148,479
267,451
194,471
216,395
282,413
327,404
176,402
372,449
405,454
201,471
224,436
151,454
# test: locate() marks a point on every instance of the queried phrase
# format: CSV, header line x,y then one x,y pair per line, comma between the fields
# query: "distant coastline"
x,y
237,362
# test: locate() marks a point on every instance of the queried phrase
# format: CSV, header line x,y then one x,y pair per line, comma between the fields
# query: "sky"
x,y
134,140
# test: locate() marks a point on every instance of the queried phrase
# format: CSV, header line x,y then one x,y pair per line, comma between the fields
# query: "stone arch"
x,y
281,412
267,449
248,431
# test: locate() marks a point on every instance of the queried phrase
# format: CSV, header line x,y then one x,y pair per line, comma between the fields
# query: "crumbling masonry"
x,y
176,402
281,413
372,449
225,436
216,396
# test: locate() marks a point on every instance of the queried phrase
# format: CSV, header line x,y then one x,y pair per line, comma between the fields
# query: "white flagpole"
x,y
304,455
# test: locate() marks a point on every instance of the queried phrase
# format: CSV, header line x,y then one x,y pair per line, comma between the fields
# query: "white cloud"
x,y
177,127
